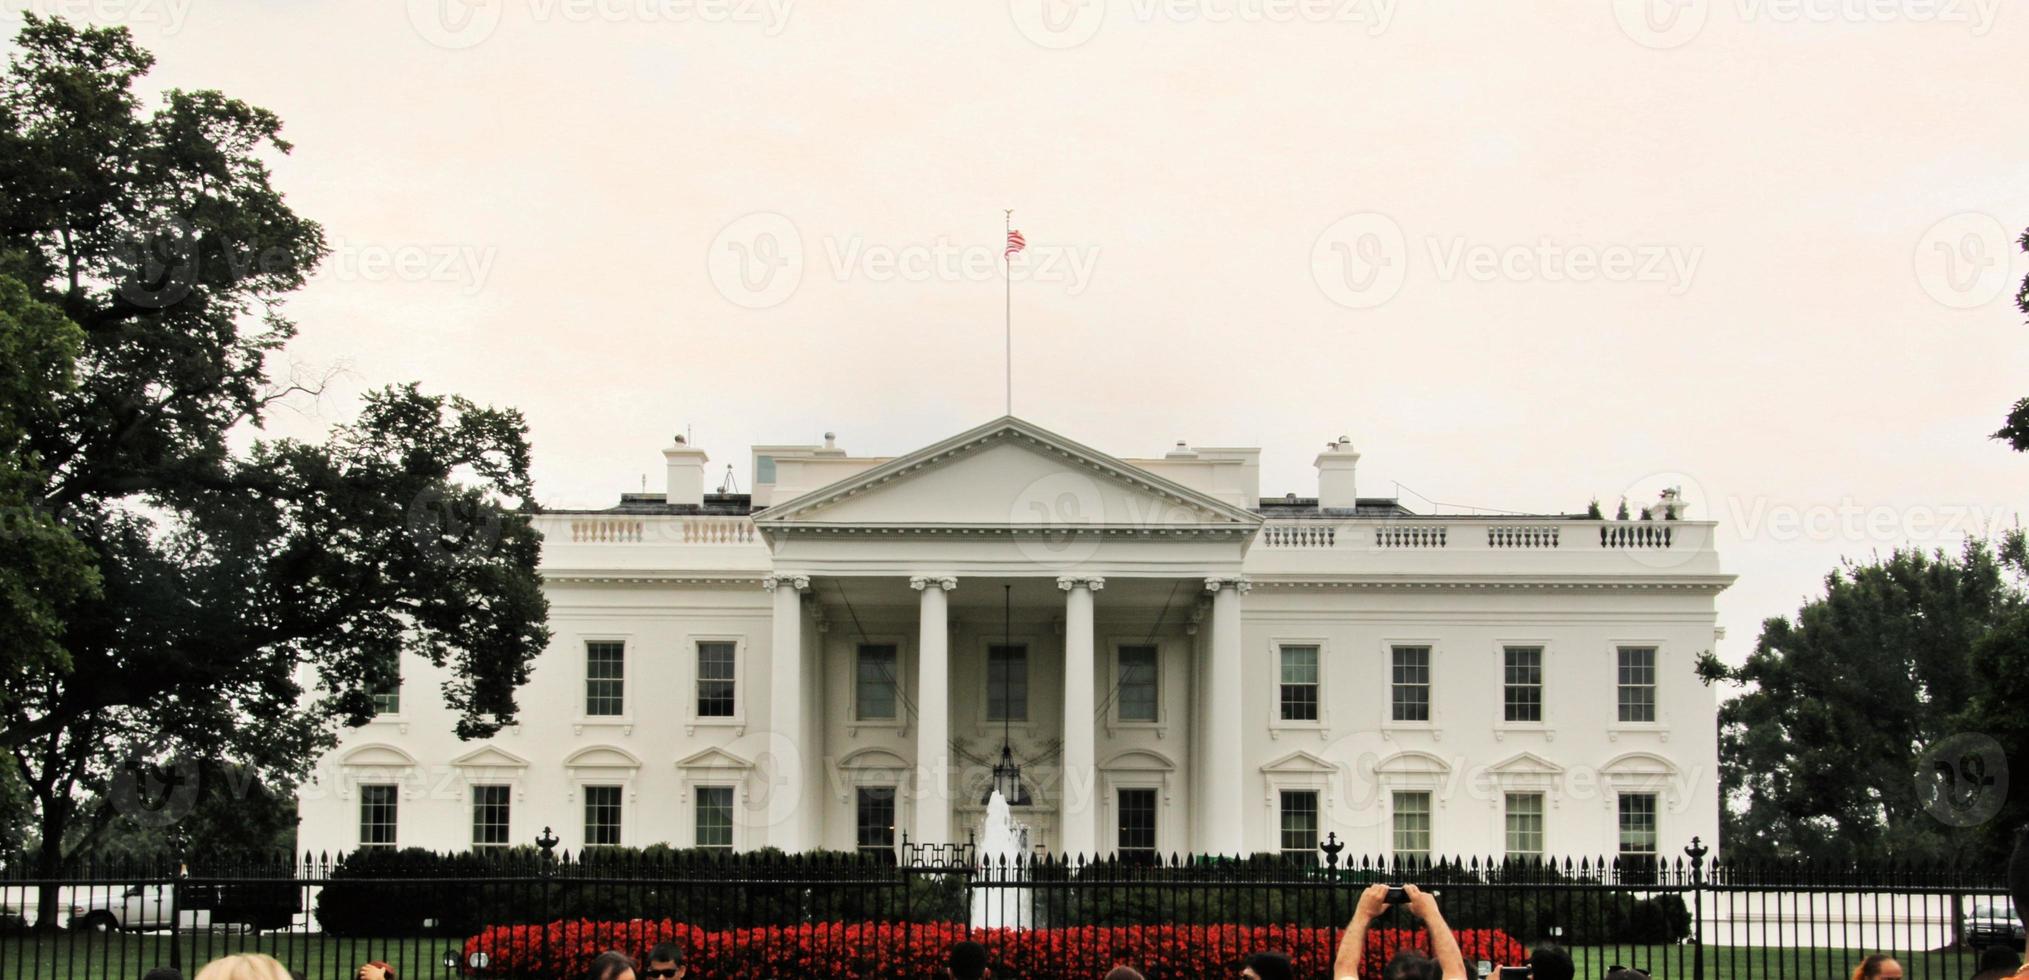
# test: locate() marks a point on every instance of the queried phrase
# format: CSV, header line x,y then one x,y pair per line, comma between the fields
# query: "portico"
x,y
1041,558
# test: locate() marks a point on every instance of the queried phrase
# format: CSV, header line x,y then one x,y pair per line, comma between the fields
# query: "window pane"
x,y
715,680
1137,824
876,820
378,806
874,683
1637,684
715,817
605,678
1524,683
1638,823
1525,825
602,815
1411,676
387,700
1299,683
1137,694
1299,821
1412,826
1007,683
489,816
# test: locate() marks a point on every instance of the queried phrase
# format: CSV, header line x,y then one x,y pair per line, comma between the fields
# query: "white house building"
x,y
1176,663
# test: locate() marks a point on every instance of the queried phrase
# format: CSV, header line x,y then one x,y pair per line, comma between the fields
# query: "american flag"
x,y
1015,243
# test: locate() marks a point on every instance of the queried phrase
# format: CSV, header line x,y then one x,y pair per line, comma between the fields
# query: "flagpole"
x,y
1007,323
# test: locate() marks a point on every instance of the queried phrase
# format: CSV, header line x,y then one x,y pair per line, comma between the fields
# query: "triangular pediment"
x,y
1302,762
713,759
1008,475
490,757
1526,764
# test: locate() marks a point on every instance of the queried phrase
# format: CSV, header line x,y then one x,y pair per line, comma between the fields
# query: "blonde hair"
x,y
244,966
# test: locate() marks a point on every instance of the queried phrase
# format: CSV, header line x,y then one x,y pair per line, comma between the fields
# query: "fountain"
x,y
1001,852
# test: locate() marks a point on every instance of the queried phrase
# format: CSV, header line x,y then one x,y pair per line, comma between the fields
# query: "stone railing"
x,y
681,530
1467,533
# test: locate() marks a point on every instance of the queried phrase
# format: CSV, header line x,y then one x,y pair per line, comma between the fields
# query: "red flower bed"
x,y
865,951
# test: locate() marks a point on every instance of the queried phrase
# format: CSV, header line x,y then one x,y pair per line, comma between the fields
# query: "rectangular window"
x,y
1637,684
1299,683
715,670
715,817
378,806
876,821
1007,683
1137,825
1411,689
605,678
602,816
1524,683
1299,822
387,700
1638,824
1137,695
874,682
1525,826
1412,827
489,816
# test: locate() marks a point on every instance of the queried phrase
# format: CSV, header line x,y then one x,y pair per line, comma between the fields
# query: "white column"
x,y
933,712
789,754
1079,809
1223,831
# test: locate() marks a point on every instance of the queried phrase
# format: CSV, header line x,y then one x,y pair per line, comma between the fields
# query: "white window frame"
x,y
1502,726
738,805
580,773
715,767
1275,828
1113,676
1661,797
1435,796
1543,814
878,768
629,690
1276,723
399,719
378,764
510,771
1435,724
472,810
1526,772
738,719
1138,768
359,813
904,664
1033,644
1298,770
1660,727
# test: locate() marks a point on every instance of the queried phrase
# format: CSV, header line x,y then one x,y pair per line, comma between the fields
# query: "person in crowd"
x,y
163,973
1124,973
1551,962
1879,966
967,961
376,970
611,965
1617,972
244,966
665,962
1269,966
1444,960
1998,963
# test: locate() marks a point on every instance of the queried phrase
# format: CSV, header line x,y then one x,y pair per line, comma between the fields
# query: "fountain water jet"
x,y
1002,846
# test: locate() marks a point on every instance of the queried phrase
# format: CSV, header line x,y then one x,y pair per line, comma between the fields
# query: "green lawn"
x,y
124,956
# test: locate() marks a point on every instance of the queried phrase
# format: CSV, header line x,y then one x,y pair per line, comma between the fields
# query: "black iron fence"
x,y
527,912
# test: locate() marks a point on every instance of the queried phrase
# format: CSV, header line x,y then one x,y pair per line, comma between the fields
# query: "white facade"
x,y
1337,653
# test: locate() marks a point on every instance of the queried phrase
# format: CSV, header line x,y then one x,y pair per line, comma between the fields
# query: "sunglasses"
x,y
669,974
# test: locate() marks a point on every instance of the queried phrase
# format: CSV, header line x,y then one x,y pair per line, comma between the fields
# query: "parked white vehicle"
x,y
138,907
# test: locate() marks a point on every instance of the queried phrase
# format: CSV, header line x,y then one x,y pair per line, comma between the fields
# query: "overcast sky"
x,y
1524,253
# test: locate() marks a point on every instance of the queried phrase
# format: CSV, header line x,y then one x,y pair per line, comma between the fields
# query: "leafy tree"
x,y
249,593
2015,430
1820,757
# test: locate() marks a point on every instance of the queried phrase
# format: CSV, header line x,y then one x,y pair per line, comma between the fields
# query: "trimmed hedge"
x,y
865,950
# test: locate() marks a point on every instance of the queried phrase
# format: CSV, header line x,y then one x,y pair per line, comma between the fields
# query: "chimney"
x,y
1335,491
686,474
